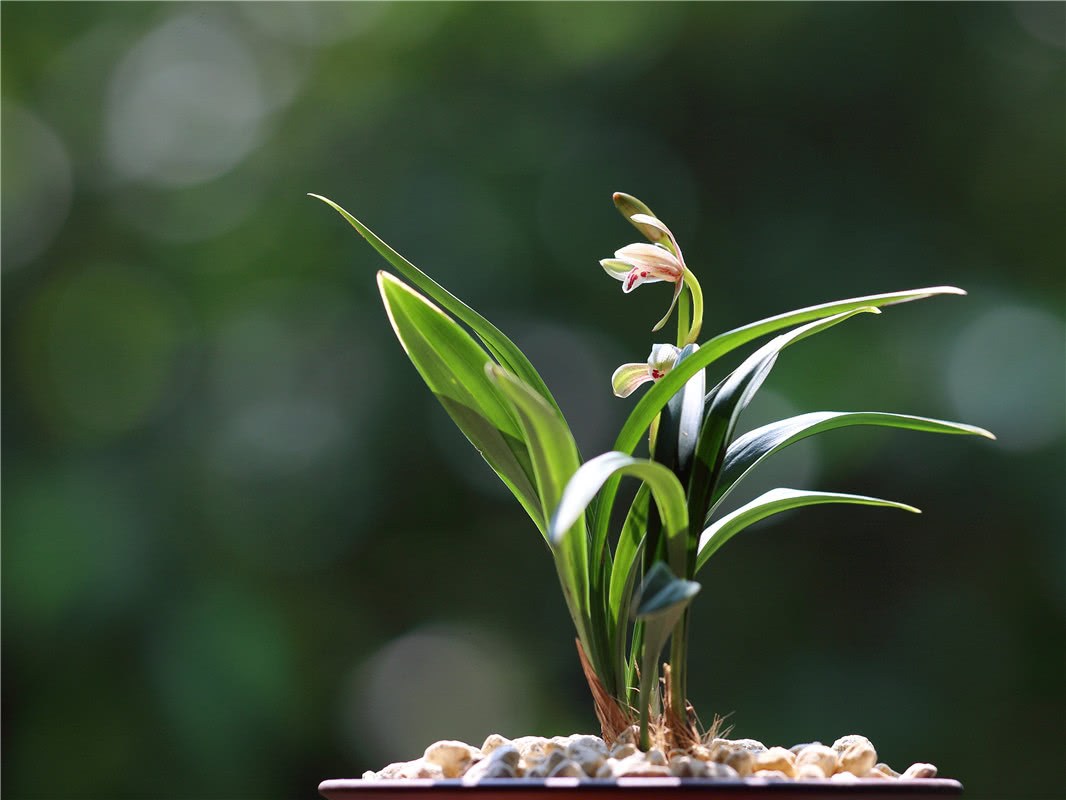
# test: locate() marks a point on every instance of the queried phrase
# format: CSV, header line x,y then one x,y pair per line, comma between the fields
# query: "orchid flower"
x,y
661,260
629,376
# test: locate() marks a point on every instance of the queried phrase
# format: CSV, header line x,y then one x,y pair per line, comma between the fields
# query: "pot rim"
x,y
634,788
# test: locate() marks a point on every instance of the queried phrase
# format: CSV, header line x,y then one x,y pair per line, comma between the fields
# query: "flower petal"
x,y
663,357
652,227
616,268
628,377
636,276
653,258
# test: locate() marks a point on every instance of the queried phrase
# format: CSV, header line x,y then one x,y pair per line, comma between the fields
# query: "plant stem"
x,y
683,318
649,677
693,286
678,664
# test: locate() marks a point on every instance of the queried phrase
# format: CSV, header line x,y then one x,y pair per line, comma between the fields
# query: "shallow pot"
x,y
639,789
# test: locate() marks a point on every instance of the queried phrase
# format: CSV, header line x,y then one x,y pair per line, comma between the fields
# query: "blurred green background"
x,y
244,550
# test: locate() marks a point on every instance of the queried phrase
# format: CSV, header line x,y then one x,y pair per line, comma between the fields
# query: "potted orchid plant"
x,y
630,591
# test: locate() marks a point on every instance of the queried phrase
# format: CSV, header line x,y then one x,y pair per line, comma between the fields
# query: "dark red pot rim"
x,y
639,789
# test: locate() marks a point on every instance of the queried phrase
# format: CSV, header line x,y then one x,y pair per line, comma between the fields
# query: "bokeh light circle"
x,y
1006,374
99,350
185,105
444,682
37,185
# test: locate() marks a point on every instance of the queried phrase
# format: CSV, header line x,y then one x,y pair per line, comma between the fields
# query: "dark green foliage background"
x,y
225,488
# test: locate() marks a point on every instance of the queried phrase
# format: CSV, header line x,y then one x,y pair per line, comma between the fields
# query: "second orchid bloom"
x,y
629,376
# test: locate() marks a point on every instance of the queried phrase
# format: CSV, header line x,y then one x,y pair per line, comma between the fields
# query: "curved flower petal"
x,y
652,257
652,227
638,275
628,377
616,268
670,310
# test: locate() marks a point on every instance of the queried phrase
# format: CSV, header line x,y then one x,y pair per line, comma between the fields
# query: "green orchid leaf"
x,y
649,406
730,399
555,460
502,349
675,443
624,573
680,421
774,502
710,351
751,448
626,552
453,366
664,486
663,595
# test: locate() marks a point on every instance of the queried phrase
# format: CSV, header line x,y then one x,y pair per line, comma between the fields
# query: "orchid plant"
x,y
629,592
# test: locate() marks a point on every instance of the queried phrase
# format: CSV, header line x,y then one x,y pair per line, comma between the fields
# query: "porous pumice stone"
x,y
850,758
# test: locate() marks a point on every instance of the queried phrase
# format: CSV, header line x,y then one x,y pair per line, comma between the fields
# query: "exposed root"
x,y
667,730
682,734
612,717
718,729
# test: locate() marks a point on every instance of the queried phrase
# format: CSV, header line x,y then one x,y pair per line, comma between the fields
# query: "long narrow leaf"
x,y
774,502
625,557
502,349
649,406
674,445
624,573
659,394
751,448
731,398
555,460
453,366
680,422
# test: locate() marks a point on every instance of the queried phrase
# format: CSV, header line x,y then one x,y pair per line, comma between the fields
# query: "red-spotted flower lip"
x,y
628,377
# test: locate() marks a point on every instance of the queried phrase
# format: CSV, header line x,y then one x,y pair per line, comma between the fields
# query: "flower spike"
x,y
629,376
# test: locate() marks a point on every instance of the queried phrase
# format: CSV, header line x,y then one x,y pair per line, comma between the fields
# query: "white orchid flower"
x,y
661,260
629,376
